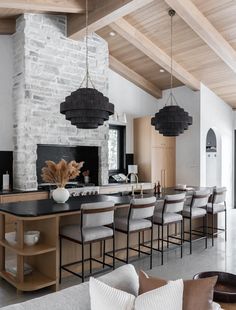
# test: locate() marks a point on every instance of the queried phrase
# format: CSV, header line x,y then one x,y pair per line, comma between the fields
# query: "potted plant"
x,y
59,174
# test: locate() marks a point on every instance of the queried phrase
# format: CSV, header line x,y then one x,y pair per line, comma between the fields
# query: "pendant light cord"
x,y
87,77
171,96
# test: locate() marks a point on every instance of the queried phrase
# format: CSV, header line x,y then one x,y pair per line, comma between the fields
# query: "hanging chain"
x,y
87,77
171,57
86,43
171,96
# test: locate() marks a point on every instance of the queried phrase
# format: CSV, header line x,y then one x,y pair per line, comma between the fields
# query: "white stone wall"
x,y
47,67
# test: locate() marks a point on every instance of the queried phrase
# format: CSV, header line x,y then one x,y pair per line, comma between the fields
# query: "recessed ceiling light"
x,y
162,70
112,33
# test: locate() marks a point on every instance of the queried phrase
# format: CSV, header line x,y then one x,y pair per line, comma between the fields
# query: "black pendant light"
x,y
171,120
87,107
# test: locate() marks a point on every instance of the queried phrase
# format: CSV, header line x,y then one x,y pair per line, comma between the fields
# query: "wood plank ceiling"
x,y
202,52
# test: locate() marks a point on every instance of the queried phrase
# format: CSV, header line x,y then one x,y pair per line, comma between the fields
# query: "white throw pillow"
x,y
104,297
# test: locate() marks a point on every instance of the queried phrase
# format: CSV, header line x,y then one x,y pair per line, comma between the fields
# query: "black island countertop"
x,y
49,206
45,207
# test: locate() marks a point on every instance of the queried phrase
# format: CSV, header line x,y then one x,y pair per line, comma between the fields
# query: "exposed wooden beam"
x,y
134,77
64,6
140,41
206,31
7,26
102,16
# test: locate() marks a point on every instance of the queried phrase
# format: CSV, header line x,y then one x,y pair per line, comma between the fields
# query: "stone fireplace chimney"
x,y
48,66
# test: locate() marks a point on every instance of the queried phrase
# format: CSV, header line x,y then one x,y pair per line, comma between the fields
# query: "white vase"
x,y
60,195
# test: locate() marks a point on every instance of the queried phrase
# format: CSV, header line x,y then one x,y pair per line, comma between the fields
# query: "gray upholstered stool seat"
x,y
135,224
217,205
166,213
167,217
96,224
216,208
196,212
196,209
89,233
138,219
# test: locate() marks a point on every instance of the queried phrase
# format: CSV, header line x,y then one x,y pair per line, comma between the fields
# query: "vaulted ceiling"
x,y
204,38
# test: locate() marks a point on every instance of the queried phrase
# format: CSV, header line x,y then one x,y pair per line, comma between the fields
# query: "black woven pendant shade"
x,y
87,108
171,120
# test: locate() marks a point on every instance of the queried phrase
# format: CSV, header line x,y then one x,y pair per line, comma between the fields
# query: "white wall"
x,y
188,143
218,115
132,100
234,113
6,117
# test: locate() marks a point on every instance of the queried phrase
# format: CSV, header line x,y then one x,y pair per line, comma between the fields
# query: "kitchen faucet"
x,y
129,174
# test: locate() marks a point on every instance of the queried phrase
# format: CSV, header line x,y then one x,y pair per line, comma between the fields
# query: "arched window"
x,y
211,145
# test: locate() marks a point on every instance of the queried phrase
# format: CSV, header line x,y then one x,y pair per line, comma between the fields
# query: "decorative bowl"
x,y
31,237
11,238
225,289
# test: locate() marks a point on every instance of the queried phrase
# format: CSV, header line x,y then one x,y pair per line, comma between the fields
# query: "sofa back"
x,y
77,297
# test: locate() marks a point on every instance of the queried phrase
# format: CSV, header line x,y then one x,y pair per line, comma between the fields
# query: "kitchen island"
x,y
46,216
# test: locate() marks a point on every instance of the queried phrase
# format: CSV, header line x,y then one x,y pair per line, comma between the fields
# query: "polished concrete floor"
x,y
220,257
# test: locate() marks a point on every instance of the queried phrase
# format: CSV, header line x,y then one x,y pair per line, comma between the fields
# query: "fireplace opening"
x,y
88,154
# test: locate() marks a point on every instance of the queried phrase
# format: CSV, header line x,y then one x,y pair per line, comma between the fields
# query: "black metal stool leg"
x,y
82,253
151,249
104,251
181,236
168,232
127,250
190,236
139,233
162,244
114,252
213,228
206,230
225,224
60,259
90,257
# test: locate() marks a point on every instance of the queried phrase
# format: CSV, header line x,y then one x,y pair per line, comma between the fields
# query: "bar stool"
x,y
94,219
217,205
169,214
139,219
196,209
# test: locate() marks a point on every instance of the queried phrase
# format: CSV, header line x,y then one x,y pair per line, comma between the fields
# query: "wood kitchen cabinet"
x,y
153,153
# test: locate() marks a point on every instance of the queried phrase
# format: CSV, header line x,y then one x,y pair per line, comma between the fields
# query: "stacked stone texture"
x,y
48,66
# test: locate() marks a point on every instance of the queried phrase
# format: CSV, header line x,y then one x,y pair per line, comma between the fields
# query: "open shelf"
x,y
32,282
36,249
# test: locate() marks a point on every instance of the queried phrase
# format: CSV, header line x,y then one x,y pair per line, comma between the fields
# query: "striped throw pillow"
x,y
104,297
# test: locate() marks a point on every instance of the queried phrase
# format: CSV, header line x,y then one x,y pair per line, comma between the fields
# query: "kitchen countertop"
x,y
48,206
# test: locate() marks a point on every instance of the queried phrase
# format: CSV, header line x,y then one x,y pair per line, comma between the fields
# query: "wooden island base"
x,y
47,217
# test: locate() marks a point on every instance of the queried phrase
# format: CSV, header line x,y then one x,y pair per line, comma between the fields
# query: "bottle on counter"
x,y
158,188
6,182
155,189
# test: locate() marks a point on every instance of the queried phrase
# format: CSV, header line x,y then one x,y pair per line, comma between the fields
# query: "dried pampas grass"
x,y
61,172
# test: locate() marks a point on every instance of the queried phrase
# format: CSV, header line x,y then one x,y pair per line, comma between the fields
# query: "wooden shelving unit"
x,y
32,282
42,257
28,250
